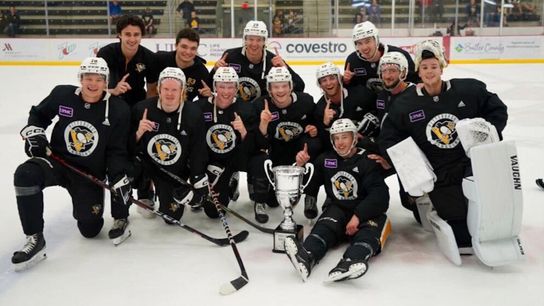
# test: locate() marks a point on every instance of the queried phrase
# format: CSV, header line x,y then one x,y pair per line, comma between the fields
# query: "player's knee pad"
x,y
89,228
28,179
495,203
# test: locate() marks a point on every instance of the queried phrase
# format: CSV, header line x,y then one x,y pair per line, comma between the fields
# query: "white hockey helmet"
x,y
327,69
394,58
255,28
432,46
172,73
95,65
279,74
364,30
340,126
225,74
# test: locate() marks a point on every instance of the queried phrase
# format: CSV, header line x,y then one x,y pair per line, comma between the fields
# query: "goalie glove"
x,y
369,125
122,189
36,143
474,132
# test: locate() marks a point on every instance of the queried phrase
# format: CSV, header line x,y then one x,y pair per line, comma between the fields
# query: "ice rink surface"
x,y
165,265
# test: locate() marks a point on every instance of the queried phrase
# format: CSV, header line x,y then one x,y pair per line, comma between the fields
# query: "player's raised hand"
x,y
238,125
348,74
222,62
328,114
302,156
145,125
311,130
205,91
122,87
266,117
277,60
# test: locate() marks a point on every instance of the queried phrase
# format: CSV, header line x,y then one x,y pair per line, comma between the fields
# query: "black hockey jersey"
x,y
177,147
354,184
90,136
142,68
384,101
194,74
431,120
253,76
367,72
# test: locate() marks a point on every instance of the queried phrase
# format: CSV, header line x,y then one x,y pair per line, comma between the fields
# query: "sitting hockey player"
x,y
429,116
229,123
286,124
362,65
358,200
90,134
169,133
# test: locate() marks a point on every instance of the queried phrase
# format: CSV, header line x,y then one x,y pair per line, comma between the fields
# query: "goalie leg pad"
x,y
495,203
424,205
445,238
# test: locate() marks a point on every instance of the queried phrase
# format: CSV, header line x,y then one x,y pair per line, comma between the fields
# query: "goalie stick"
x,y
218,241
223,207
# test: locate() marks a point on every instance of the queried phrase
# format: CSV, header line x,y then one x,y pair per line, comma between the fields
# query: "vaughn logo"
x,y
515,172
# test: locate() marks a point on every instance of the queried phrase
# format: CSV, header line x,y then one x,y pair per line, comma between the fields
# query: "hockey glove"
x,y
201,191
122,189
375,85
36,143
369,125
183,195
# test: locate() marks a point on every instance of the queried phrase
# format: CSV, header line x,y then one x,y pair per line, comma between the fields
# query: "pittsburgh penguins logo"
x,y
288,131
190,84
441,131
344,186
96,209
81,138
164,149
221,138
248,89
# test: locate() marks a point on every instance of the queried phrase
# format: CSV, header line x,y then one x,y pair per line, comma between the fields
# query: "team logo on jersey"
x,y
248,89
164,149
140,67
221,138
441,131
344,186
288,131
81,138
190,84
96,209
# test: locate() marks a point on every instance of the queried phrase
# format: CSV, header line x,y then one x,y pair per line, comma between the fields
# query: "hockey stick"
x,y
225,208
218,241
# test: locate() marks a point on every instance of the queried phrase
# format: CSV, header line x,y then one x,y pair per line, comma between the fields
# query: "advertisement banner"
x,y
497,48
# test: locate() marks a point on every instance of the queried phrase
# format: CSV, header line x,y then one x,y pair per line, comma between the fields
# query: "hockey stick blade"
x,y
540,183
239,216
233,285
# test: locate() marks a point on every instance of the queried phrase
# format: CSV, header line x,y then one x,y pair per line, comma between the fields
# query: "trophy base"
x,y
280,235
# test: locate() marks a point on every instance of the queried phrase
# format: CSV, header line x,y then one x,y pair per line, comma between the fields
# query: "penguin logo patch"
x,y
221,138
344,186
96,209
164,149
81,138
249,89
441,131
288,131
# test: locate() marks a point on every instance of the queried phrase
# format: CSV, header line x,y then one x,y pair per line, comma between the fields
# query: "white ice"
x,y
166,265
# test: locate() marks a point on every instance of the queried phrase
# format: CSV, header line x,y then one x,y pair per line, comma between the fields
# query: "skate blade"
x,y
117,241
291,251
31,262
355,271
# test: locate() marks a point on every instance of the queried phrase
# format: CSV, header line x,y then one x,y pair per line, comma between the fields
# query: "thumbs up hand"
x,y
302,156
348,74
144,126
238,125
205,91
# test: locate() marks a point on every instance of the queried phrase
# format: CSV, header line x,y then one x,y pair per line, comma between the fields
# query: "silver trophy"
x,y
287,183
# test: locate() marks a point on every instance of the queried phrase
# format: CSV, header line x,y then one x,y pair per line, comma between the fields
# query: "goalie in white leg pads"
x,y
429,115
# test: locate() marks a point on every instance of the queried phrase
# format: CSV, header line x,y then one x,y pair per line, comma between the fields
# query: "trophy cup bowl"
x,y
288,186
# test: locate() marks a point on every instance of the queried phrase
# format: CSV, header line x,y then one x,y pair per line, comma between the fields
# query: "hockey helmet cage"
x,y
95,65
394,58
432,46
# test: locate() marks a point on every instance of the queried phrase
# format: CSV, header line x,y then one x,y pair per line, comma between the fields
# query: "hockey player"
x,y
357,201
361,66
252,62
429,115
169,133
193,66
91,134
286,124
131,64
229,134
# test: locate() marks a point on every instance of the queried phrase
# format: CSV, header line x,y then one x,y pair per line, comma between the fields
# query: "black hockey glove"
x,y
374,84
201,190
36,143
122,189
183,195
370,125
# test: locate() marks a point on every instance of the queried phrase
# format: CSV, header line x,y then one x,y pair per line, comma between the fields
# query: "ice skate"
x,y
119,232
32,253
301,259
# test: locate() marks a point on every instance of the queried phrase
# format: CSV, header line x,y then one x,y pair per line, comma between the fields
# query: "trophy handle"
x,y
309,168
267,168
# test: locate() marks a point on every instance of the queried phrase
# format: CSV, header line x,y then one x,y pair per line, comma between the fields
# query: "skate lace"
x,y
31,242
260,209
119,223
